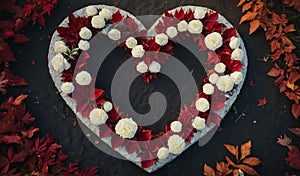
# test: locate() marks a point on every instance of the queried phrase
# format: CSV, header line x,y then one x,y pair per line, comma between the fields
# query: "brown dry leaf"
x,y
223,168
247,6
254,25
241,2
19,99
289,28
296,131
245,149
284,140
209,171
262,101
274,72
296,110
229,161
258,6
249,170
292,96
233,150
248,17
252,161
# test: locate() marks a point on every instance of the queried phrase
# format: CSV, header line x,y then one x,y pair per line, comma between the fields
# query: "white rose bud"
x,y
237,54
200,12
84,45
182,26
114,34
106,14
142,67
131,42
208,89
225,83
107,106
198,123
67,87
213,41
176,144
195,27
85,33
154,67
83,78
126,128
213,78
60,47
237,77
98,116
161,39
234,42
171,31
162,153
176,126
98,22
202,105
91,10
138,51
220,67
58,63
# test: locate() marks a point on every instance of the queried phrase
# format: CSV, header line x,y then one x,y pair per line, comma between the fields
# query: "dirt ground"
x,y
260,124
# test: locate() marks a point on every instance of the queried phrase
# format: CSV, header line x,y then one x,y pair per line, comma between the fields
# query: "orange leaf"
x,y
249,170
19,100
252,161
254,26
248,17
247,6
296,131
229,161
223,168
296,110
241,2
209,171
274,72
289,28
233,150
262,102
245,149
292,96
258,6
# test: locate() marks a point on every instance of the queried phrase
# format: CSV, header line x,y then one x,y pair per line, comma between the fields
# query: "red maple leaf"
x,y
294,158
262,102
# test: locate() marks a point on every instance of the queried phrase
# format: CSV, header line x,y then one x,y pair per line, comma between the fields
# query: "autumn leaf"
x,y
294,158
254,25
262,102
252,161
295,131
245,149
209,171
249,170
289,28
233,150
247,6
296,110
223,168
19,99
248,17
284,140
229,161
241,3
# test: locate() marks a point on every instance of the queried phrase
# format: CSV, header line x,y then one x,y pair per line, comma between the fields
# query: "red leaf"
x,y
294,158
252,83
116,17
9,139
147,163
262,102
296,110
20,38
5,53
19,100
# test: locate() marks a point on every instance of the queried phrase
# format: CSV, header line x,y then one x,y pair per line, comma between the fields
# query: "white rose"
x,y
58,63
195,27
138,51
200,12
208,89
114,34
83,78
131,42
98,22
161,39
213,78
60,47
126,128
237,54
84,45
85,33
91,10
213,41
106,14
182,26
176,144
142,67
225,83
171,31
176,126
220,67
154,67
198,123
202,105
162,153
234,42
107,106
67,87
237,77
98,116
